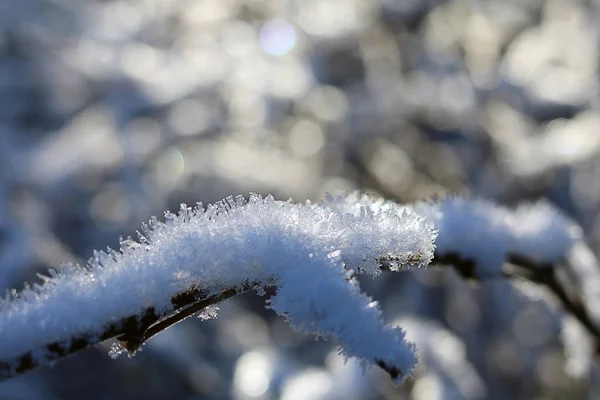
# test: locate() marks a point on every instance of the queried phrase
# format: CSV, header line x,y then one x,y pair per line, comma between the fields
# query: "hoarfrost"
x,y
304,250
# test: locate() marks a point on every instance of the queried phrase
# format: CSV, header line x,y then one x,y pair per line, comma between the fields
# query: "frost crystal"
x,y
210,312
116,349
306,251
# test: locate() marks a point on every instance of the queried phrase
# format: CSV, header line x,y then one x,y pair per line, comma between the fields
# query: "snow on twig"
x,y
489,234
308,252
484,232
204,256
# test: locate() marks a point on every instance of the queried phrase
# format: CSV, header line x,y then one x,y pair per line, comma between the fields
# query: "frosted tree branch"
x,y
200,257
309,254
532,242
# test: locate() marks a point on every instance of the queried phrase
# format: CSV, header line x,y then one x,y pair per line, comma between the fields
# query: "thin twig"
x,y
128,329
545,274
540,273
131,344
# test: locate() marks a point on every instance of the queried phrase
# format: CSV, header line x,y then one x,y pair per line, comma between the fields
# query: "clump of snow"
x,y
210,312
486,233
390,217
304,250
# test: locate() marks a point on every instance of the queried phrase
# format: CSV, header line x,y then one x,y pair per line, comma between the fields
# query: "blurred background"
x,y
113,111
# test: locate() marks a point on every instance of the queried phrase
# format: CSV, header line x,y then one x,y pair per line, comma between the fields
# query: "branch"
x,y
479,239
201,257
132,331
541,273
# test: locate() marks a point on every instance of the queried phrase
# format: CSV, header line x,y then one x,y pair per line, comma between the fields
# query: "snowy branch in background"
x,y
200,257
482,240
490,235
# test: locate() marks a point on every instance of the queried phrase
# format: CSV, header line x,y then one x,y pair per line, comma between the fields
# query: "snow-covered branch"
x,y
307,253
199,257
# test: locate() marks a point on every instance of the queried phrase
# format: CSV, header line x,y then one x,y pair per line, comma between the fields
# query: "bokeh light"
x,y
277,37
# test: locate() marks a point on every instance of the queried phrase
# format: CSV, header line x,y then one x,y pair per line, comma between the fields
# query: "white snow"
x,y
306,250
487,233
481,230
